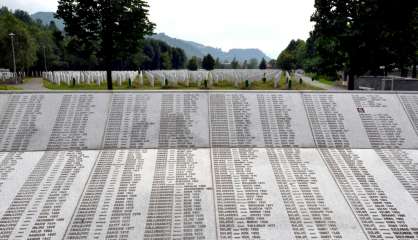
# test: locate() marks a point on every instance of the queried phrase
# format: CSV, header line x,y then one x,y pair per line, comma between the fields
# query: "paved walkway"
x,y
318,84
33,84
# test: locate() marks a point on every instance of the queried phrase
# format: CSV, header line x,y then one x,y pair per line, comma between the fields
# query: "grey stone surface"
x,y
410,104
385,121
258,120
38,122
147,194
39,192
261,194
198,165
334,121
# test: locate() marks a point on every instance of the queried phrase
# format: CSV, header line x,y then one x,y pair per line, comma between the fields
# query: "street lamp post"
x,y
46,69
12,35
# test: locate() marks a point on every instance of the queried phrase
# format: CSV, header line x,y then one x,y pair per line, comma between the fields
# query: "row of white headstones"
x,y
169,77
4,76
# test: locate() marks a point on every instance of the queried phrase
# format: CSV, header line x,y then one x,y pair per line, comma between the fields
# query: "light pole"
x,y
14,57
46,69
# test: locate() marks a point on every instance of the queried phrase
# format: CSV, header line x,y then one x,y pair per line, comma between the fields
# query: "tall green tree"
x,y
235,64
367,34
263,64
117,26
192,65
253,63
178,58
24,43
208,62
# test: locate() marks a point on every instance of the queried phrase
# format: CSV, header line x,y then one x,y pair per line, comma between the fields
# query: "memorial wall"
x,y
209,165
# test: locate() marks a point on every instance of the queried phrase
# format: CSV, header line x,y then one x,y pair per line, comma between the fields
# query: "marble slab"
x,y
381,203
385,122
410,104
147,194
266,193
39,192
157,120
258,120
38,122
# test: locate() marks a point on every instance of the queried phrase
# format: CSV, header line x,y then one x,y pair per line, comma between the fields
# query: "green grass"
x,y
9,88
83,86
220,85
322,78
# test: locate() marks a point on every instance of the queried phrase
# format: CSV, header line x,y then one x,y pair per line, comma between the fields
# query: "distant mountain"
x,y
190,48
199,50
47,17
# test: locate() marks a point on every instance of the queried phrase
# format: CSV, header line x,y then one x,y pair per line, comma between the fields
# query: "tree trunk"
x,y
403,69
414,68
351,81
107,41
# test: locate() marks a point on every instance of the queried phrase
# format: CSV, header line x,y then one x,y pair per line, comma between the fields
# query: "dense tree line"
x,y
357,37
63,52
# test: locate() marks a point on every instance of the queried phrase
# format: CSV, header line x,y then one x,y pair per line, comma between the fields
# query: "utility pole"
x,y
46,69
14,57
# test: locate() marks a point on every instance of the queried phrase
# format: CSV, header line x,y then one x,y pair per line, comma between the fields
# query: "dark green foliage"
x,y
293,56
192,65
208,63
179,58
24,42
364,35
263,64
253,64
112,29
235,64
357,37
63,52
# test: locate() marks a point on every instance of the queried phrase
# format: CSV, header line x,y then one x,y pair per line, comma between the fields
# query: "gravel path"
x,y
33,84
318,84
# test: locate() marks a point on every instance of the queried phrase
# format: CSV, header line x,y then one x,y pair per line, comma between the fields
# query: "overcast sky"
x,y
265,24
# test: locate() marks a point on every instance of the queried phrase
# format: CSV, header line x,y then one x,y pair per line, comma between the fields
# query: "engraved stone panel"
x,y
265,193
334,121
39,192
385,121
410,104
133,121
258,120
183,121
147,194
3,102
30,122
80,122
157,120
382,205
200,165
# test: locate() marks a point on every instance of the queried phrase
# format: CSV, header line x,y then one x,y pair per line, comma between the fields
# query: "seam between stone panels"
x,y
196,148
67,228
343,195
407,114
108,111
309,121
328,168
215,204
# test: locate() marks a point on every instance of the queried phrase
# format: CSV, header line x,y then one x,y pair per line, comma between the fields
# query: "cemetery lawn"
x,y
322,79
8,88
83,86
221,85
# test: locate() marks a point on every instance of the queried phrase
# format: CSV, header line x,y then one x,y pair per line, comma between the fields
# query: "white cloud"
x,y
32,6
265,24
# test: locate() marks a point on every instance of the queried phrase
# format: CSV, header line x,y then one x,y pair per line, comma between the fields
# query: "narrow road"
x,y
33,84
